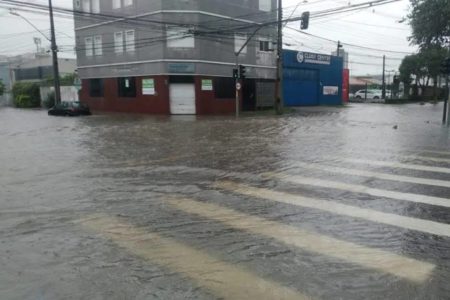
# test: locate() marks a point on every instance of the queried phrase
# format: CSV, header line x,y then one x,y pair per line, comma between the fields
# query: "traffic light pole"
x,y
237,81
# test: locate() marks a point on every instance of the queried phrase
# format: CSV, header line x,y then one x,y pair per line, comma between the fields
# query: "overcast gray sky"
x,y
376,27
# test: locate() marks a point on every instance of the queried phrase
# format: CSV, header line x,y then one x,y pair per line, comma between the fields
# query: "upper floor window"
x,y
239,41
116,4
89,46
178,37
130,42
98,45
91,6
265,5
95,6
86,6
93,45
118,42
265,45
127,2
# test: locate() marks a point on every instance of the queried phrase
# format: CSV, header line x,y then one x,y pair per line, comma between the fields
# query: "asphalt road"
x,y
326,203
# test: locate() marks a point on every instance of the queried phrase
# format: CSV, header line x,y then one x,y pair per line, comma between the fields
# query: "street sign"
x,y
238,86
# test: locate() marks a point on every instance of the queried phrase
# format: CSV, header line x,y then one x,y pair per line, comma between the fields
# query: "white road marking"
x,y
226,281
436,152
380,260
338,208
434,159
355,188
378,175
399,165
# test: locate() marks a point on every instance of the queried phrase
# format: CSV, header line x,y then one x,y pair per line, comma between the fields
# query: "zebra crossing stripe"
x,y
371,258
378,175
400,165
355,188
338,208
226,281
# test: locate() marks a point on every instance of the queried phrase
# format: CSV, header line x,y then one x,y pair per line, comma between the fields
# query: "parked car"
x,y
69,109
371,94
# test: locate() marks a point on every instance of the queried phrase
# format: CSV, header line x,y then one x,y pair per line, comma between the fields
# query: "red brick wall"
x,y
146,104
206,103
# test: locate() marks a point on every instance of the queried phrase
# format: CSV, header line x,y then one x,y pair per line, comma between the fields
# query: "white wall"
x,y
68,93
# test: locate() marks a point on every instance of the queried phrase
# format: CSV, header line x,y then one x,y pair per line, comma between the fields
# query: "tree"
x,y
430,22
422,67
2,88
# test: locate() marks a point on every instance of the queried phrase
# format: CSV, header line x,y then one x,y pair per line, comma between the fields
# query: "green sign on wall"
x,y
207,85
148,86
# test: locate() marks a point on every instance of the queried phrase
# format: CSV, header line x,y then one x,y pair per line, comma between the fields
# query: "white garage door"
x,y
182,99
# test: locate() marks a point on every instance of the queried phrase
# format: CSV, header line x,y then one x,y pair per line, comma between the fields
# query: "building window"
x,y
116,4
265,5
127,2
89,46
98,46
224,88
130,41
118,42
96,88
127,87
179,37
239,41
95,6
265,45
86,5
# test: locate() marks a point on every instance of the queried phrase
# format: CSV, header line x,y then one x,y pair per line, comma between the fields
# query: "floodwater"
x,y
325,203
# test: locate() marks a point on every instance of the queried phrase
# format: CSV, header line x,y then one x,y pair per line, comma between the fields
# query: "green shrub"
x,y
49,102
26,95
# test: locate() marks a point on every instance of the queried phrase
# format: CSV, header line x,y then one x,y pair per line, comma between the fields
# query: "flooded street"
x,y
325,203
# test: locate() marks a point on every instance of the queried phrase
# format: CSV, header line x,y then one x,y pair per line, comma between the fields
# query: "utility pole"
x,y
54,50
446,101
383,93
279,80
339,46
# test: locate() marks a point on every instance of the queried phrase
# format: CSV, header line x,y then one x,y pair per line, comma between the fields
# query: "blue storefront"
x,y
312,79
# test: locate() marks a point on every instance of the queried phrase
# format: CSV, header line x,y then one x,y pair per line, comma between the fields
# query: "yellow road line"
x,y
362,189
380,260
370,174
338,208
399,165
223,279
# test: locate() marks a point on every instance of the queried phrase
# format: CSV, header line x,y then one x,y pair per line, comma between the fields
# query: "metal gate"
x,y
301,87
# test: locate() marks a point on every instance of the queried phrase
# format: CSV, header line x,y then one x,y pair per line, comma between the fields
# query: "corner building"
x,y
174,56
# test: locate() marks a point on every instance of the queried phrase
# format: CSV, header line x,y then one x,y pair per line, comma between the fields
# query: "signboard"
x,y
77,83
207,85
181,68
331,90
238,86
148,86
313,58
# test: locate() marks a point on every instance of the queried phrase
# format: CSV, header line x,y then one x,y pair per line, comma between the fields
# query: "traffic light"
x,y
242,71
304,20
235,74
445,66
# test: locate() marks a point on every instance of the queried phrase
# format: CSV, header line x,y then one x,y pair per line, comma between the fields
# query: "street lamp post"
x,y
54,48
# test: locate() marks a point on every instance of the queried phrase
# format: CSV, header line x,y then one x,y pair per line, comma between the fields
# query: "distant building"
x,y
174,57
39,67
